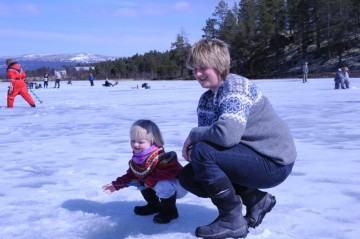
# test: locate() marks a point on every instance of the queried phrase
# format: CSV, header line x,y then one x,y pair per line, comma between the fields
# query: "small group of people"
x,y
34,85
145,85
342,78
239,146
58,77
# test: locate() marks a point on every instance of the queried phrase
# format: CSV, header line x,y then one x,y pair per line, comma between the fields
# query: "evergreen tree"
x,y
221,14
209,30
179,50
221,11
228,28
247,22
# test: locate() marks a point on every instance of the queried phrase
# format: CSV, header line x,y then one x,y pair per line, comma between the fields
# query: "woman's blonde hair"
x,y
210,53
146,129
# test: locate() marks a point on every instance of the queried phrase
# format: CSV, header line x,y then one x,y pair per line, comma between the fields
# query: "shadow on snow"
x,y
127,223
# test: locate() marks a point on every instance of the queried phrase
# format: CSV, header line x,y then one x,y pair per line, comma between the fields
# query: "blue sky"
x,y
112,27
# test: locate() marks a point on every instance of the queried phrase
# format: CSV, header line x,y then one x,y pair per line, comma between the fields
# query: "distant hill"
x,y
320,64
35,61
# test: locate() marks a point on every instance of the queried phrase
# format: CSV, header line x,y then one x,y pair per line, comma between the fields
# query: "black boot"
x,y
152,206
168,210
257,203
230,222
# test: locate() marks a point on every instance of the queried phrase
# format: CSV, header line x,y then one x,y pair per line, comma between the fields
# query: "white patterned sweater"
x,y
239,113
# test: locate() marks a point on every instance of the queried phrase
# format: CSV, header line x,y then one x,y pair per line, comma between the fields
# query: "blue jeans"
x,y
240,164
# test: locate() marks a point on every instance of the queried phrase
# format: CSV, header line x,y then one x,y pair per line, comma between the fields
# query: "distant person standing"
x,y
57,79
16,75
342,78
305,71
91,79
46,80
346,77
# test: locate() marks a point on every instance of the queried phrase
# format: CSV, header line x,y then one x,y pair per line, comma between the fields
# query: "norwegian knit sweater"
x,y
237,112
159,165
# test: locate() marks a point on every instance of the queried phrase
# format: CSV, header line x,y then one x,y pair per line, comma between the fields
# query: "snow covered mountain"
x,y
35,61
78,58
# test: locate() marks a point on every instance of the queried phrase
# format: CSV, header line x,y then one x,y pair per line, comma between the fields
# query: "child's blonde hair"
x,y
146,129
210,53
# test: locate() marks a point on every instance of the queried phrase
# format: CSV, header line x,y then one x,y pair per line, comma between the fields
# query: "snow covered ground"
x,y
56,157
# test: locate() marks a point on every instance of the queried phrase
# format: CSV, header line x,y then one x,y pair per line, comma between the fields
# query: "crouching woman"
x,y
239,146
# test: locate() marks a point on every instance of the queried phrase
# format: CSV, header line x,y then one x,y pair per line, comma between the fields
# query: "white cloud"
x,y
125,12
181,6
30,9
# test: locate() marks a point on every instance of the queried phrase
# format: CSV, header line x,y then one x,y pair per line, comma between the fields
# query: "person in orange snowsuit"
x,y
17,86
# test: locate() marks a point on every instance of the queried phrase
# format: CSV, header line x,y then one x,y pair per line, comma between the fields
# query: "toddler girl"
x,y
154,170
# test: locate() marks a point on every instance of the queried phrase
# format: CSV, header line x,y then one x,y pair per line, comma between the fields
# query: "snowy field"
x,y
56,157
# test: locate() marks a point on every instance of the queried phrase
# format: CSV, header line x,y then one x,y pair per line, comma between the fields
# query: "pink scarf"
x,y
141,157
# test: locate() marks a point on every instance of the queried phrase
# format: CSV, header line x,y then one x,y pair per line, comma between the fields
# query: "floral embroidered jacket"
x,y
159,165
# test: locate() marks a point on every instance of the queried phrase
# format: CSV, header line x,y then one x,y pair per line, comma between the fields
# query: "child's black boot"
x,y
168,210
152,206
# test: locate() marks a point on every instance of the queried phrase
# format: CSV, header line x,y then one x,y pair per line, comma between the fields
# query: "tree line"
x,y
267,38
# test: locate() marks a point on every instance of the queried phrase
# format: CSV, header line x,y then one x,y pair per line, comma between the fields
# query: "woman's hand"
x,y
187,148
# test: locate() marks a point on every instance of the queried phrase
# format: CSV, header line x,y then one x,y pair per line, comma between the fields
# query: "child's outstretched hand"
x,y
108,188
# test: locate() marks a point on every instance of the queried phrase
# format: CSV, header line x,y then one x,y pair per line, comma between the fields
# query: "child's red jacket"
x,y
158,166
